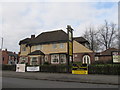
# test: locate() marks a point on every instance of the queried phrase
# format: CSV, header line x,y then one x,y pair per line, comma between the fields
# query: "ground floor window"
x,y
34,61
96,58
62,58
86,59
23,60
55,59
58,58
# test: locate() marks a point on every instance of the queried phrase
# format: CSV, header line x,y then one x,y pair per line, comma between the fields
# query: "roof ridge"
x,y
52,31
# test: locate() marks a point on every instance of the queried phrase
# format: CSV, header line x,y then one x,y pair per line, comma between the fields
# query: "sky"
x,y
19,20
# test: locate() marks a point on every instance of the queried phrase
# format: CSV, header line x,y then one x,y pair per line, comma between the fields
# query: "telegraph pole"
x,y
70,45
2,43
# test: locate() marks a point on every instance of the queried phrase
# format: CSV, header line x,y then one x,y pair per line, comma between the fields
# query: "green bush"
x,y
55,68
108,69
46,63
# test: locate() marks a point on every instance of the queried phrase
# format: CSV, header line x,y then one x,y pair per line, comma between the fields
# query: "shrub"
x,y
46,63
9,67
109,69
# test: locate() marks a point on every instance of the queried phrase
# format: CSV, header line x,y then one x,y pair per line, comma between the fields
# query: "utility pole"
x,y
2,44
70,45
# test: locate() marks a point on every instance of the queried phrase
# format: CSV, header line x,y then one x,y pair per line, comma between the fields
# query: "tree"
x,y
90,35
106,35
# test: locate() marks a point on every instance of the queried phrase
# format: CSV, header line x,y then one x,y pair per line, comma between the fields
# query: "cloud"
x,y
20,20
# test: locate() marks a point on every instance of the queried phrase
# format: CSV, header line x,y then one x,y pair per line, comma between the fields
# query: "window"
x,y
86,59
54,46
96,58
61,45
46,58
23,60
24,49
55,59
34,61
62,58
38,47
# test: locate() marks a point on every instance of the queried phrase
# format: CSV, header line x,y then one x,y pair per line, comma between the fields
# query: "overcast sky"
x,y
18,20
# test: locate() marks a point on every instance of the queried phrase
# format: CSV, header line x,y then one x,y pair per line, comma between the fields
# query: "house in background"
x,y
105,56
52,47
9,57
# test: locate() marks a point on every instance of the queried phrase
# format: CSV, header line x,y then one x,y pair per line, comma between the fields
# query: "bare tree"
x,y
90,35
107,35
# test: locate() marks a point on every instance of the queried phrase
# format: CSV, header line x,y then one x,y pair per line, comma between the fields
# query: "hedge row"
x,y
108,69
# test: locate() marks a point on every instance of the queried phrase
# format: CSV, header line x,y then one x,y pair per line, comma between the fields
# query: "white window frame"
x,y
64,61
53,56
46,58
96,58
31,60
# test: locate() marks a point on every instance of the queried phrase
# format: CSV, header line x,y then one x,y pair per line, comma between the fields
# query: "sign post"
x,y
116,56
70,45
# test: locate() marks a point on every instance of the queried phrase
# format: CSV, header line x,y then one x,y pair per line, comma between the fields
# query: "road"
x,y
8,82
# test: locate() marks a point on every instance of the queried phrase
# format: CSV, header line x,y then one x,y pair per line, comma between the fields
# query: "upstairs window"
x,y
23,48
54,46
38,47
61,45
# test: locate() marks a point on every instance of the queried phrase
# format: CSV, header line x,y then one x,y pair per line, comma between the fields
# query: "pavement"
x,y
65,77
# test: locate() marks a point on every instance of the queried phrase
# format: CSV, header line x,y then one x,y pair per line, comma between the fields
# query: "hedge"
x,y
9,67
106,69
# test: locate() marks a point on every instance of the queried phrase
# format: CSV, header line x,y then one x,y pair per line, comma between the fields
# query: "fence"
x,y
108,69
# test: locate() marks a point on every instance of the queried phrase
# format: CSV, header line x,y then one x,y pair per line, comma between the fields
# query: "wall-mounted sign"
x,y
34,68
116,56
20,68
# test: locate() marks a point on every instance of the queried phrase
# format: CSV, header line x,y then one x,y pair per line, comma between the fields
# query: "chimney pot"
x,y
32,36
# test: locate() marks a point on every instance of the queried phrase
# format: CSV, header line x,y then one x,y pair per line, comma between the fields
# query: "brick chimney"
x,y
32,36
6,50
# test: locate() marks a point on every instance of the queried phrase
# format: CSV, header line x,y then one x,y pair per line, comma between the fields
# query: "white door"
x,y
86,59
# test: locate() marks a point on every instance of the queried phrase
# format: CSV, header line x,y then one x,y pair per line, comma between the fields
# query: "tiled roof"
x,y
51,37
25,41
80,39
108,51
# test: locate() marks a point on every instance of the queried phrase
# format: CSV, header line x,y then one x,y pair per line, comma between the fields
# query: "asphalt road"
x,y
28,83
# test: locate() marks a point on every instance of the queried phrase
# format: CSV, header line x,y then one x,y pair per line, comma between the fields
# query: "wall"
x,y
77,48
48,48
5,55
24,53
